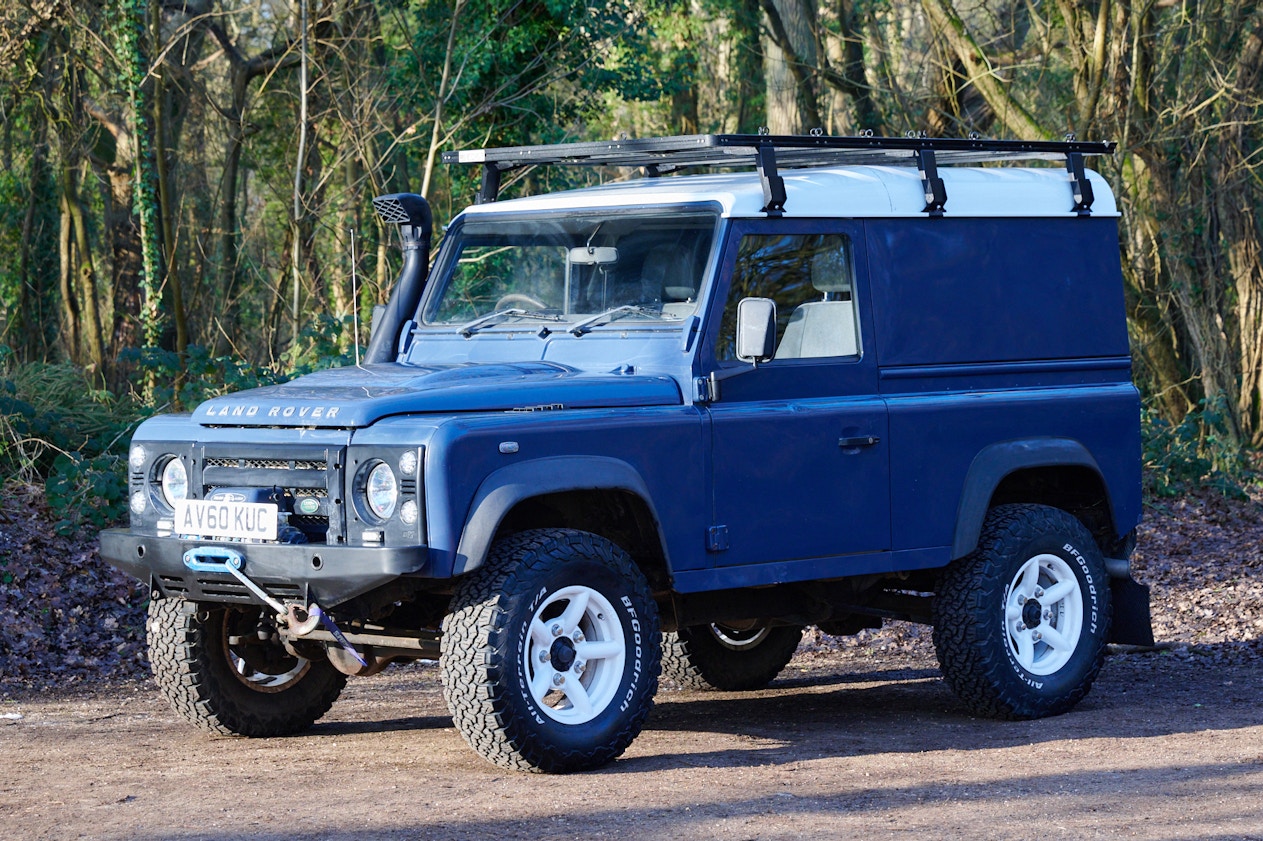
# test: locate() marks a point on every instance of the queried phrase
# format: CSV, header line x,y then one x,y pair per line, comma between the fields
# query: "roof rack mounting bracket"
x,y
935,189
1080,184
773,184
490,188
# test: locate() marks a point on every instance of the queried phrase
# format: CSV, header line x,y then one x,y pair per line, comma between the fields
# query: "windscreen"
x,y
573,268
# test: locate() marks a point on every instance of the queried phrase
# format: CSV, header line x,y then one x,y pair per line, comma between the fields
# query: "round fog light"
x,y
408,512
136,458
139,503
408,463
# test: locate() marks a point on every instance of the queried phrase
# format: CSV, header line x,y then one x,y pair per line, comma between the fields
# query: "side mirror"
x,y
756,329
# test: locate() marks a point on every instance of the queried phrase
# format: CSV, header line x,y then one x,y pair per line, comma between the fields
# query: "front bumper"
x,y
306,572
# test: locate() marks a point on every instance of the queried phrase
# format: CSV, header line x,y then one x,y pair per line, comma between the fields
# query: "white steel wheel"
x,y
727,658
264,681
550,653
739,640
1020,624
1043,613
575,654
261,665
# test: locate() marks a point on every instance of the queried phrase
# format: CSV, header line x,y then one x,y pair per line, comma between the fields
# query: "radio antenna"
x,y
355,300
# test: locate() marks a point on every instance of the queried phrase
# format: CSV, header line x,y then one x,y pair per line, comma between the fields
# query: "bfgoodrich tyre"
x,y
550,654
719,657
1020,625
220,669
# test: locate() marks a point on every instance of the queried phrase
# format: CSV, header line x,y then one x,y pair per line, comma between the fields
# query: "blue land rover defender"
x,y
662,425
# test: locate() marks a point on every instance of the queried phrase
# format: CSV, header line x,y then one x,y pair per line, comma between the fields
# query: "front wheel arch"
x,y
509,488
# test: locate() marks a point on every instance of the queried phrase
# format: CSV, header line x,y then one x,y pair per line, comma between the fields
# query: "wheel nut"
x,y
579,666
1021,626
556,629
543,657
1021,599
1047,615
558,679
1039,592
1036,635
578,636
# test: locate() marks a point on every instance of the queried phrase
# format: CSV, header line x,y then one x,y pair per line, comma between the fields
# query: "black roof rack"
x,y
660,155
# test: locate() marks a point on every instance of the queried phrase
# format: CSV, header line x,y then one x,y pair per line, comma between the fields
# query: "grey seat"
x,y
825,327
670,272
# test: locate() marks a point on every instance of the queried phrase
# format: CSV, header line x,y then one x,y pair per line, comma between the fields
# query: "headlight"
x,y
175,481
381,491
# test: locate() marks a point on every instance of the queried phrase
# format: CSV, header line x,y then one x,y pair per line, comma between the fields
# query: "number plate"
x,y
220,518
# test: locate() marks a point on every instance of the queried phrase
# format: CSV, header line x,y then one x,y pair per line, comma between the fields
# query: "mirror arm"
x,y
709,389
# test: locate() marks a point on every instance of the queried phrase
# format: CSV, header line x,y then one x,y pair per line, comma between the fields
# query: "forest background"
x,y
184,184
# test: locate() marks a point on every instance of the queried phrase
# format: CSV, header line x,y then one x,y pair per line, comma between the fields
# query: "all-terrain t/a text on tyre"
x,y
1020,624
222,668
550,653
719,657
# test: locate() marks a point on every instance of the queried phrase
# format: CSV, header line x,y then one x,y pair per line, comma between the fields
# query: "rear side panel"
x,y
996,290
997,330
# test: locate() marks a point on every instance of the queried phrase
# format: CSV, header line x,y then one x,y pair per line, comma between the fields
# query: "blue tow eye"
x,y
212,559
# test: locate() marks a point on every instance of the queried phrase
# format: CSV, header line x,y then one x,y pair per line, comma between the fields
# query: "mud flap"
x,y
1132,624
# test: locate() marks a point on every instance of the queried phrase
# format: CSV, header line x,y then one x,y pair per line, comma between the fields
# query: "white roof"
x,y
848,191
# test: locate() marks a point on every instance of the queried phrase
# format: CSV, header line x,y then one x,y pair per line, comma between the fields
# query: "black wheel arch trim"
x,y
997,461
508,486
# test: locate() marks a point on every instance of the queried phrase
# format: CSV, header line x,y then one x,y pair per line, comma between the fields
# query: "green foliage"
x,y
181,384
55,425
87,492
321,344
1196,452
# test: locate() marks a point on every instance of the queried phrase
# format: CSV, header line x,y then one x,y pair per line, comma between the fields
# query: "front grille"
x,y
266,464
301,472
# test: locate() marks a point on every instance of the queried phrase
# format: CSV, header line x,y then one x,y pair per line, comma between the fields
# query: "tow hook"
x,y
304,620
301,620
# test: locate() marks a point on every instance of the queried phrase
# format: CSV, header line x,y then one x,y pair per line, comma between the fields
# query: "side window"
x,y
810,277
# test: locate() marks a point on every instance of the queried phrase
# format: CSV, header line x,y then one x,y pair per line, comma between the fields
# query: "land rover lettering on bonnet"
x,y
661,425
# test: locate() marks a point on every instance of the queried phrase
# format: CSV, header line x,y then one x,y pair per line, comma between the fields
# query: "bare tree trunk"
x,y
92,344
981,74
789,67
1239,225
69,301
28,326
439,101
175,289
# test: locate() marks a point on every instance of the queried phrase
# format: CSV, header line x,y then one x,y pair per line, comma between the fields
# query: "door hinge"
x,y
717,539
703,390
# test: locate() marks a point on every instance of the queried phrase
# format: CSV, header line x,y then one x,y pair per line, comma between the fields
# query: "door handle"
x,y
858,441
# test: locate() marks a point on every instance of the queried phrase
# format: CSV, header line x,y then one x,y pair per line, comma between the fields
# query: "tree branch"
x,y
981,73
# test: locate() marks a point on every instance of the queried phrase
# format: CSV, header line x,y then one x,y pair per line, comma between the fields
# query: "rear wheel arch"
x,y
1058,472
598,494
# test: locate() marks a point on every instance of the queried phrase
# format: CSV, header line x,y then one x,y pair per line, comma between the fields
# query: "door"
x,y
799,443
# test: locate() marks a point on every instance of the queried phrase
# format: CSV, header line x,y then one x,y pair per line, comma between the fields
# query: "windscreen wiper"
x,y
468,329
613,314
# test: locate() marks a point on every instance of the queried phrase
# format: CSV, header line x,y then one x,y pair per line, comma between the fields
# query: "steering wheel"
x,y
520,298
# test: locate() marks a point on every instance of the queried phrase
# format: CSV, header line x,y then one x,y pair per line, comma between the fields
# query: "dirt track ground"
x,y
1169,745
